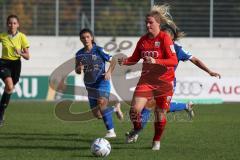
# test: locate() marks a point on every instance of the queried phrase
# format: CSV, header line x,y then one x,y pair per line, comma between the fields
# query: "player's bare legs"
x,y
118,111
138,104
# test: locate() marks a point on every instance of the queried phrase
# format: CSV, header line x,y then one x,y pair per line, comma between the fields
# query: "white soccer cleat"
x,y
119,113
131,137
190,110
156,145
110,135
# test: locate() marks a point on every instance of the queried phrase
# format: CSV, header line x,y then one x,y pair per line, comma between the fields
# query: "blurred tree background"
x,y
120,18
111,17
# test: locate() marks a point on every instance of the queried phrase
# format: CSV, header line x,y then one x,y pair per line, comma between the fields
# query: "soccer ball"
x,y
100,147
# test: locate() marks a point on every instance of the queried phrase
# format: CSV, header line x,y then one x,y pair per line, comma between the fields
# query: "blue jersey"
x,y
182,55
94,64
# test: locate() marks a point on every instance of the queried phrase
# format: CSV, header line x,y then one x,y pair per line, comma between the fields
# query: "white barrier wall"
x,y
220,54
207,90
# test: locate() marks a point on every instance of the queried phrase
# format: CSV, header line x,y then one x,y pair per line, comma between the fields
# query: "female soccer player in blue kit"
x,y
183,55
91,59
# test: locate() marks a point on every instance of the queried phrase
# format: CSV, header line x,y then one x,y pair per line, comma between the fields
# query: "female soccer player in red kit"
x,y
156,49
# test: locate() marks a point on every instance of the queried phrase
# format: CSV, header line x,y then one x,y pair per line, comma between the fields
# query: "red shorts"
x,y
149,91
161,93
164,102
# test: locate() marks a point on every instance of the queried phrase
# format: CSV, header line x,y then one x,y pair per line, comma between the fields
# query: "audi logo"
x,y
153,54
123,45
188,88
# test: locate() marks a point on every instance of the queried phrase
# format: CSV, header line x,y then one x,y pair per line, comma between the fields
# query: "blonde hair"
x,y
161,13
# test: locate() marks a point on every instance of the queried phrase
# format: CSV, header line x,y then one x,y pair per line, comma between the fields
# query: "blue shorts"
x,y
97,90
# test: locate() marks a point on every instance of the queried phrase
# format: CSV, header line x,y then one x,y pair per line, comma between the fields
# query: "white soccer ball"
x,y
100,147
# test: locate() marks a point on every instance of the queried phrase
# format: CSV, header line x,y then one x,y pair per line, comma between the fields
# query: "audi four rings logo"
x,y
153,54
188,88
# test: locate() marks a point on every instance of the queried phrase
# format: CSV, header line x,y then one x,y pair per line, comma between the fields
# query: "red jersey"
x,y
160,48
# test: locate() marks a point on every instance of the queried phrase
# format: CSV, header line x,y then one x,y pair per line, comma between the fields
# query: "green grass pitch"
x,y
32,132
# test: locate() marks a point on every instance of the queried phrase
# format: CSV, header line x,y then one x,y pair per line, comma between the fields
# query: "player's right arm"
x,y
24,51
131,60
185,56
78,65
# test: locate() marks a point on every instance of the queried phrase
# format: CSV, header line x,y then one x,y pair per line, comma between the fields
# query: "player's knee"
x,y
102,102
9,88
133,113
151,104
137,108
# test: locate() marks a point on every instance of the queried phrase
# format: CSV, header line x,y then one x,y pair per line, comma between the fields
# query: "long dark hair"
x,y
86,30
12,16
174,30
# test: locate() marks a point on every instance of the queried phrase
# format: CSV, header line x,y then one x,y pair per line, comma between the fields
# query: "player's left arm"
x,y
111,67
108,58
24,51
202,66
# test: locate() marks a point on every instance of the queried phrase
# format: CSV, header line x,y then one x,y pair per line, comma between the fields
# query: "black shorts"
x,y
10,68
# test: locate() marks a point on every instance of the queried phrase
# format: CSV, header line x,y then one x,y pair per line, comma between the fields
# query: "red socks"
x,y
136,119
159,128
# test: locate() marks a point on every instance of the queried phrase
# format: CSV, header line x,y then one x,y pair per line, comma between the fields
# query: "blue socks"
x,y
174,106
107,118
145,116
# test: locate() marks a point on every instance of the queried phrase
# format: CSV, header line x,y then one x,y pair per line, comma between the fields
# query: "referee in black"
x,y
14,46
